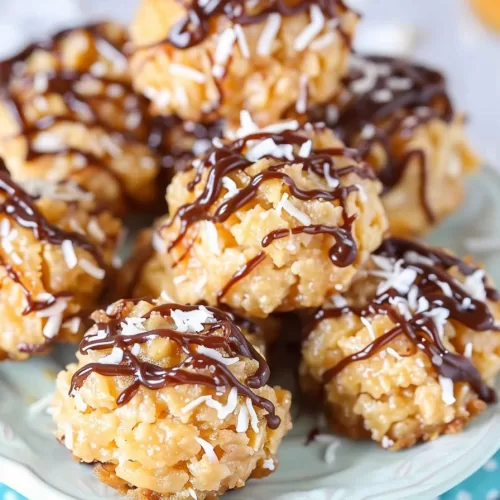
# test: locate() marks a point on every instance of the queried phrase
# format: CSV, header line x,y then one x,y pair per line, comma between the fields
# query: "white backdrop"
x,y
440,32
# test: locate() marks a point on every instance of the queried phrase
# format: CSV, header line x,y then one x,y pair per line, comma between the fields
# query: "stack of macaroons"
x,y
289,163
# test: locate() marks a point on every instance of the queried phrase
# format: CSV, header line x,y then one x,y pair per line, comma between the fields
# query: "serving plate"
x,y
33,463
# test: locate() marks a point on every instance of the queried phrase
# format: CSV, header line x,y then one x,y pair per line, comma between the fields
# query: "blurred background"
x,y
444,33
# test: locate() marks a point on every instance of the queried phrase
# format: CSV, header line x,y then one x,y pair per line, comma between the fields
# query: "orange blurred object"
x,y
488,11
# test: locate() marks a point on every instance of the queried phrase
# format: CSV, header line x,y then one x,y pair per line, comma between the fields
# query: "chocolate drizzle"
x,y
189,371
385,97
194,28
19,206
230,158
437,291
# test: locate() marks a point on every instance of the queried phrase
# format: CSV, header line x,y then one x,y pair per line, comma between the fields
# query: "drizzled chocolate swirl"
x,y
433,292
195,368
193,29
230,158
384,97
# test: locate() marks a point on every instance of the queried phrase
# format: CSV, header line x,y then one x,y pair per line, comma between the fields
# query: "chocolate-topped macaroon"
x,y
400,117
56,251
411,351
275,220
171,401
68,112
206,60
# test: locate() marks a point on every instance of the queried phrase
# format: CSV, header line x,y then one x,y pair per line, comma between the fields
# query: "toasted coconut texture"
x,y
402,121
204,61
408,353
68,112
172,401
56,248
273,221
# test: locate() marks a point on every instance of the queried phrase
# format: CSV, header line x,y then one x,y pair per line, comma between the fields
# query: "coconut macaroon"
x,y
171,401
68,112
401,119
273,221
206,60
56,247
407,354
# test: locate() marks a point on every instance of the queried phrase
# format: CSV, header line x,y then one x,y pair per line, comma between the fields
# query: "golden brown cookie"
x,y
207,60
408,353
171,401
273,221
68,112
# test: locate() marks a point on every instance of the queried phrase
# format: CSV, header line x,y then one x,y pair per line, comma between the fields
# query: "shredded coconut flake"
x,y
52,327
208,449
91,269
114,358
369,327
132,326
312,30
268,464
242,41
439,316
224,410
269,33
301,104
231,187
339,301
468,350
386,442
305,149
331,181
394,353
69,254
216,355
278,128
73,325
187,72
243,419
323,41
192,321
96,231
4,228
268,147
474,285
57,308
195,403
212,237
223,51
400,279
254,419
447,390
288,206
47,143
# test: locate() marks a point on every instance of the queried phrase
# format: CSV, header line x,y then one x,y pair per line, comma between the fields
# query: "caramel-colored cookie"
x,y
201,61
407,354
171,401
